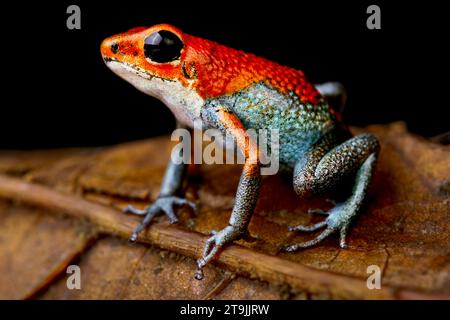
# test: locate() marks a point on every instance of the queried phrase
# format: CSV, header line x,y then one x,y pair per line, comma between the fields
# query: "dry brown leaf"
x,y
405,228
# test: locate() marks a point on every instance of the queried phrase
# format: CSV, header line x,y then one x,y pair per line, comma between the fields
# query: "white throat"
x,y
184,102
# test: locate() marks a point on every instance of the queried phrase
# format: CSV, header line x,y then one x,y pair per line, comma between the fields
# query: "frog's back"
x,y
220,71
263,94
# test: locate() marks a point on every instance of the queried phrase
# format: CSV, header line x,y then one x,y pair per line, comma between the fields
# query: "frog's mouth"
x,y
139,78
112,62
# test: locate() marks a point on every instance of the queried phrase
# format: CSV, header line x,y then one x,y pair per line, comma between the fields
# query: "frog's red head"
x,y
155,61
173,66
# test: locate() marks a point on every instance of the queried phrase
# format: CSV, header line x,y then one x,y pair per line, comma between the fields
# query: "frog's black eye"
x,y
162,46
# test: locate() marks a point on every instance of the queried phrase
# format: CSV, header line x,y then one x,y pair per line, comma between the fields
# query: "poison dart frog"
x,y
233,91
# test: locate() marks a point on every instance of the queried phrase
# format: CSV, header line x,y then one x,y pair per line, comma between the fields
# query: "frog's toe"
x,y
132,210
321,211
183,201
338,220
318,211
307,244
310,228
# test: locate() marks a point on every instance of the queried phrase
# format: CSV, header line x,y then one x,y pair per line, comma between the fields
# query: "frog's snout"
x,y
120,48
109,47
123,46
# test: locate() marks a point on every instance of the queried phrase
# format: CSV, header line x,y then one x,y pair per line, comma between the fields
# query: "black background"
x,y
57,92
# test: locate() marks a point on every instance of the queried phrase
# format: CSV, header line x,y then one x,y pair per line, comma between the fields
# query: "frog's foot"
x,y
214,243
338,220
163,204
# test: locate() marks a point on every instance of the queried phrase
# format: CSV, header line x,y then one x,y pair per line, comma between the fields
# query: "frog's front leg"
x,y
320,169
248,188
167,198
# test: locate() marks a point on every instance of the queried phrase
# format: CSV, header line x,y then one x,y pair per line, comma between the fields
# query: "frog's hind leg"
x,y
320,170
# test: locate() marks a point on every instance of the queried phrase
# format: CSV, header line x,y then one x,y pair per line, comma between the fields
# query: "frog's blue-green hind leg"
x,y
167,198
322,168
